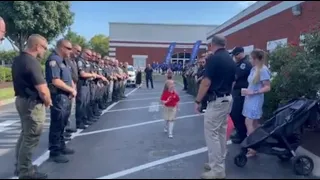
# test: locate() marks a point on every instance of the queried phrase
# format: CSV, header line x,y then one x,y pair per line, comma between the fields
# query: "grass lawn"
x,y
6,93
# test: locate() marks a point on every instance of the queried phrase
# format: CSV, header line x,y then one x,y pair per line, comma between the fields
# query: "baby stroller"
x,y
283,131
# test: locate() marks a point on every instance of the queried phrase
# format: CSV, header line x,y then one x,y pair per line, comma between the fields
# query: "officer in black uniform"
x,y
217,83
59,79
102,84
83,88
94,112
242,73
184,76
105,94
76,50
200,75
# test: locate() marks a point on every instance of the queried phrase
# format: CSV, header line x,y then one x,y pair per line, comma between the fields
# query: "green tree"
x,y
75,38
7,56
298,72
100,44
23,18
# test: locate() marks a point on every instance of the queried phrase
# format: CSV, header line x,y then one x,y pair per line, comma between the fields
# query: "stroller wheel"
x,y
240,160
303,165
284,158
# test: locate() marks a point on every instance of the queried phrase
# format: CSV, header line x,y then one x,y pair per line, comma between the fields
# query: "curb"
x,y
6,101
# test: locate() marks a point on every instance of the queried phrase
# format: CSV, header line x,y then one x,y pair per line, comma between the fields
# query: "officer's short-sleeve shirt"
x,y
57,68
242,73
74,70
220,69
26,74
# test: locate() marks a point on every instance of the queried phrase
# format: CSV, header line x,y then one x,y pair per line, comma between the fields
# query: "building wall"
x,y
154,52
273,21
152,40
158,33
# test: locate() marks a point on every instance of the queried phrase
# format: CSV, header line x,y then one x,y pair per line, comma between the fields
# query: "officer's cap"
x,y
237,50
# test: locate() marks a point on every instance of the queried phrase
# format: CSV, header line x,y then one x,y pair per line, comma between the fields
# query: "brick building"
x,y
140,44
268,23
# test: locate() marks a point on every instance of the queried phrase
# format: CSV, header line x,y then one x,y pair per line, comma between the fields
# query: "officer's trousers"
x,y
59,114
215,130
116,91
147,82
185,85
236,114
110,91
82,104
92,110
32,116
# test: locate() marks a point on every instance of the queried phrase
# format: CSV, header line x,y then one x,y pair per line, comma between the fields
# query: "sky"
x,y
92,17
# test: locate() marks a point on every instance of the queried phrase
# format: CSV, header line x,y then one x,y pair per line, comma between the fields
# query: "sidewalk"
x,y
6,101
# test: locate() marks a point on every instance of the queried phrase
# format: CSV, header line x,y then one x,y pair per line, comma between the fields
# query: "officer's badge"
x,y
52,63
243,66
79,63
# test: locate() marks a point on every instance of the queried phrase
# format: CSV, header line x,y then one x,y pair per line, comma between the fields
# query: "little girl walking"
x,y
170,100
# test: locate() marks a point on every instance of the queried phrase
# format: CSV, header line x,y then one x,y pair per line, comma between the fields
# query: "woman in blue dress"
x,y
259,83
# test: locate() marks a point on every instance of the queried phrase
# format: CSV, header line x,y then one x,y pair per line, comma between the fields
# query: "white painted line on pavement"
x,y
156,163
149,98
143,107
4,151
147,93
4,125
155,107
41,159
134,125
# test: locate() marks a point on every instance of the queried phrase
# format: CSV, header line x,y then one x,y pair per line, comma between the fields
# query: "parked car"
x,y
131,81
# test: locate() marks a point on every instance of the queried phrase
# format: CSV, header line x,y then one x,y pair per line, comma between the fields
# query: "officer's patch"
x,y
52,63
243,66
80,64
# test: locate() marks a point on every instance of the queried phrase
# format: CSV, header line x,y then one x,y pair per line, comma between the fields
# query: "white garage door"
x,y
139,61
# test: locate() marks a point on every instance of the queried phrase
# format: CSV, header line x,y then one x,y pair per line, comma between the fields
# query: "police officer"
x,y
148,71
117,83
125,76
93,113
217,83
184,76
103,83
242,73
59,79
76,50
82,98
32,96
111,77
199,77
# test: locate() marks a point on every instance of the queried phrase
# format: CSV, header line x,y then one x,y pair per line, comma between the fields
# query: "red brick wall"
x,y
256,12
282,25
124,54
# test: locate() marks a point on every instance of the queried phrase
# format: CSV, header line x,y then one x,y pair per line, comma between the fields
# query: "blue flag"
x,y
170,51
195,50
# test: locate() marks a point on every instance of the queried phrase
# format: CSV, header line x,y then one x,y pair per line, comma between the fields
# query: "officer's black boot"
x,y
67,151
59,159
81,126
71,130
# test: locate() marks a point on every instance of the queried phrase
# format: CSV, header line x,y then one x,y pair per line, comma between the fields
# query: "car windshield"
x,y
130,69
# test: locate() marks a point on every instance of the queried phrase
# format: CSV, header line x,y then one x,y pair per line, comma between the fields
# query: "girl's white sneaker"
x,y
165,129
170,136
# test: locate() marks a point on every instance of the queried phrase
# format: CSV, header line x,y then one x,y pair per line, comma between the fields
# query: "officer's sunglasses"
x,y
69,48
2,39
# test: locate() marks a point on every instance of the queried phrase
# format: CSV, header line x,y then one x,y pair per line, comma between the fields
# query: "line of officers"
x,y
193,74
84,76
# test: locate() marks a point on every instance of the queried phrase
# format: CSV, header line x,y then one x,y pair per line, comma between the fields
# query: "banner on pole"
x,y
195,50
170,51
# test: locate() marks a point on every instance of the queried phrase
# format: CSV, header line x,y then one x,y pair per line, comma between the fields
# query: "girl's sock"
x,y
166,126
170,133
